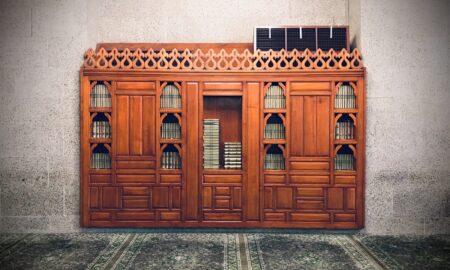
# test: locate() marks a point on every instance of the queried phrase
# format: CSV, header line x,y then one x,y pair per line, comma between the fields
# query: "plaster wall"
x,y
43,43
406,49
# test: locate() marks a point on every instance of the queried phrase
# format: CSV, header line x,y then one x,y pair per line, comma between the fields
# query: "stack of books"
x,y
100,97
101,161
274,162
344,162
345,98
274,131
211,143
274,98
344,130
170,97
233,155
101,129
170,131
170,160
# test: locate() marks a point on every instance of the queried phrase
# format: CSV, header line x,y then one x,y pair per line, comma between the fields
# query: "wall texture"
x,y
42,45
406,49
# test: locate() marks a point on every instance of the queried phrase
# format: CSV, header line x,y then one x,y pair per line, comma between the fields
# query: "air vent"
x,y
301,38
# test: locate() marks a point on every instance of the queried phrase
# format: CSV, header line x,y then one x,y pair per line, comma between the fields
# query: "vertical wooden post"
x,y
191,189
253,155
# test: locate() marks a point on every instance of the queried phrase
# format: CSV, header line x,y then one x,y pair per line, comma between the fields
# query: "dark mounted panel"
x,y
332,38
270,38
301,38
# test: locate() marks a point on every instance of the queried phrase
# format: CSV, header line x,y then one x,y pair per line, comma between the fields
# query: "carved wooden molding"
x,y
222,61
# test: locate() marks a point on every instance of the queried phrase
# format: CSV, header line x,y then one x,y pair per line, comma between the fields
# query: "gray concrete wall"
x,y
406,49
42,46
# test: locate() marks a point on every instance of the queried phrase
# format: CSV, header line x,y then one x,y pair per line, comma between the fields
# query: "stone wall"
x,y
406,49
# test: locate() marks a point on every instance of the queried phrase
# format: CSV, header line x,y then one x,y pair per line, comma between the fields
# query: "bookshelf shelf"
x,y
345,95
100,171
170,141
274,96
170,110
274,141
354,111
345,142
344,159
274,158
100,140
222,132
100,110
222,171
171,156
170,127
343,173
221,138
275,110
170,95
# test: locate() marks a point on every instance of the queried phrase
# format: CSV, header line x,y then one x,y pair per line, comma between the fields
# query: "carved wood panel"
x,y
307,192
136,119
310,125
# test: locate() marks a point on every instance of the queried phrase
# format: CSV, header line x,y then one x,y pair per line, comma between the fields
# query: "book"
x,y
344,162
232,155
345,98
100,97
170,160
100,161
170,131
211,141
274,131
100,129
274,161
170,97
274,98
344,130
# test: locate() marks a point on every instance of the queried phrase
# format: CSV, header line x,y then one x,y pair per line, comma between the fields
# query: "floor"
x,y
221,250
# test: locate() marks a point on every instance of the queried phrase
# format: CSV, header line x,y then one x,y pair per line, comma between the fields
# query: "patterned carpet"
x,y
221,251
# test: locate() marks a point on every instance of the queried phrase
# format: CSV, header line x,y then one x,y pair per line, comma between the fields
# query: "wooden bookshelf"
x,y
283,104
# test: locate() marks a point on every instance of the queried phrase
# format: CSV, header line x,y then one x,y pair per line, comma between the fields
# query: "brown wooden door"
x,y
299,196
135,150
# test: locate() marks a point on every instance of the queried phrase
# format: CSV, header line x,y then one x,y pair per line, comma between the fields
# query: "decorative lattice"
x,y
222,61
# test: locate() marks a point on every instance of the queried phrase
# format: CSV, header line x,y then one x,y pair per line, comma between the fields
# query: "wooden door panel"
x,y
123,125
136,132
222,198
310,125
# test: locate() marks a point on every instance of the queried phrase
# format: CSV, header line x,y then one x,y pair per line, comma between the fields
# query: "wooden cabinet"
x,y
294,122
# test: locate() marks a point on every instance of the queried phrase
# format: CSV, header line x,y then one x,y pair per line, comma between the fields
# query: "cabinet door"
x,y
135,126
135,159
310,125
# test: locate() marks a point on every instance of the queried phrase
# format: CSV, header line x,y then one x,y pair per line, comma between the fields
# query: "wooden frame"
x,y
136,192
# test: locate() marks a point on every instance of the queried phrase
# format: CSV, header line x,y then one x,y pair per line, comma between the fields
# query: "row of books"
x,y
170,97
344,130
170,131
274,98
233,155
170,160
274,162
211,143
100,161
100,97
345,98
274,131
101,129
344,162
